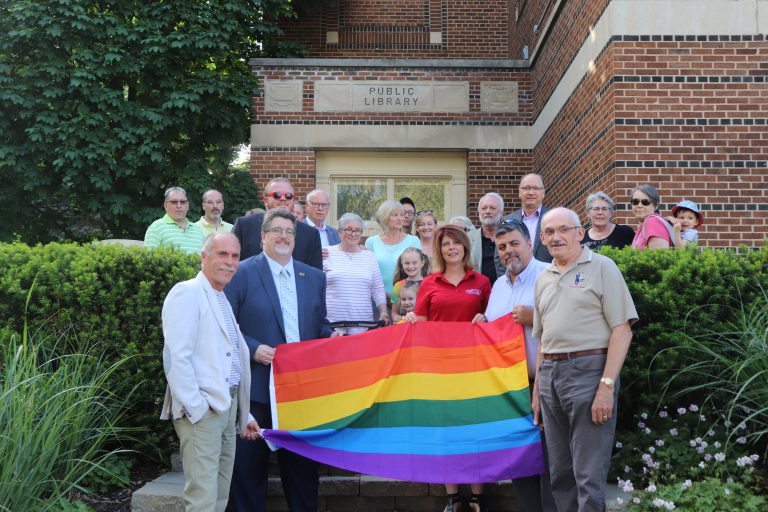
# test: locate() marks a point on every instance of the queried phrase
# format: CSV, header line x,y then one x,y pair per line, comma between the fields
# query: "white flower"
x,y
682,410
618,444
693,408
692,443
702,465
651,449
640,424
627,469
702,417
659,442
726,491
651,487
687,484
644,415
741,440
704,444
727,423
707,457
720,457
745,461
647,430
717,444
698,440
755,457
663,414
635,500
711,433
626,485
673,431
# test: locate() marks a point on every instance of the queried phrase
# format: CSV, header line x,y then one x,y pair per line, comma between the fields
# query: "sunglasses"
x,y
425,212
510,222
279,195
645,202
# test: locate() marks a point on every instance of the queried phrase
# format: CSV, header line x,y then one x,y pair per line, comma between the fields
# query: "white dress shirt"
x,y
505,295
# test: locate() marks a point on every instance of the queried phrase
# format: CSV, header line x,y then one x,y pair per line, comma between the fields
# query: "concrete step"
x,y
348,493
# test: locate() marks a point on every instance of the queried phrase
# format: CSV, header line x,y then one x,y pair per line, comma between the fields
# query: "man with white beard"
x,y
213,207
484,257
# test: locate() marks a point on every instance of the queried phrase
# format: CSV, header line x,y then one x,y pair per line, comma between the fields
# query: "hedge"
x,y
113,296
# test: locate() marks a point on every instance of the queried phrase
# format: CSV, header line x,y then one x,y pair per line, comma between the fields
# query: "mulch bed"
x,y
119,500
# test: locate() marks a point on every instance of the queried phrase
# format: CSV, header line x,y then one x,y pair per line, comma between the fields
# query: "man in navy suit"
x,y
278,194
275,299
318,205
532,196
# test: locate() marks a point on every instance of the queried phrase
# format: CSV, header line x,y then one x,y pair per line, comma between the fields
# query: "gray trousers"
x,y
534,493
579,451
208,455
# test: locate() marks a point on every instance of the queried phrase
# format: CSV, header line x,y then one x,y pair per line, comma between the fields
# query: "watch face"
x,y
607,381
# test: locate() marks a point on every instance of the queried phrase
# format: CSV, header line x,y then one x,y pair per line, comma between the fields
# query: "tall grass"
x,y
57,418
731,370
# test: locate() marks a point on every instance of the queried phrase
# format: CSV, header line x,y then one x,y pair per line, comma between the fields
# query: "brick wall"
x,y
401,29
495,171
298,165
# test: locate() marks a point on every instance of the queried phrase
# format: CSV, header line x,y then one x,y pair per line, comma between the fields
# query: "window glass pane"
x,y
428,194
360,195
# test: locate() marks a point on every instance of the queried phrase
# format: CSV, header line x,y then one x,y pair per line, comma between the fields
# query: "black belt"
x,y
579,353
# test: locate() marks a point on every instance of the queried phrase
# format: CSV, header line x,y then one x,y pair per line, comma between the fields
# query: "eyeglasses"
x,y
645,202
600,209
425,212
279,195
528,188
408,213
549,232
211,203
510,222
178,202
281,231
318,205
352,232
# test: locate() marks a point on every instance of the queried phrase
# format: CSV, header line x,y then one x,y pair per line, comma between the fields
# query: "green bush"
x,y
58,415
680,295
112,297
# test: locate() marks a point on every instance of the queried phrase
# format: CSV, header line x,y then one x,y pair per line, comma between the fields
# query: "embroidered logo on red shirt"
x,y
472,291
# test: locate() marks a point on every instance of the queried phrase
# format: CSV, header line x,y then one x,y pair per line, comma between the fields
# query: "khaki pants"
x,y
208,455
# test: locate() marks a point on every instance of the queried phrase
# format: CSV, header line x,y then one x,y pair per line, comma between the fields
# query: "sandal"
x,y
454,503
477,504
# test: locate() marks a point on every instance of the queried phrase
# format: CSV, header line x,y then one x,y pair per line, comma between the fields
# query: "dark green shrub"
x,y
114,295
111,296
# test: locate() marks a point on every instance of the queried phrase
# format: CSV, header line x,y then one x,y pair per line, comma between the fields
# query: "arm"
x,y
535,398
602,407
151,237
180,323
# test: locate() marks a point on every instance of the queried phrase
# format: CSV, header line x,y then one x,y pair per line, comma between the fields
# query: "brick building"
x,y
445,100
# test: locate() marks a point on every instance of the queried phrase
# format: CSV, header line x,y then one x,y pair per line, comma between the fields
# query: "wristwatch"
x,y
608,381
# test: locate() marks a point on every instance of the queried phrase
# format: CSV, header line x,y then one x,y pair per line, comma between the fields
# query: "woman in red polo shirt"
x,y
454,293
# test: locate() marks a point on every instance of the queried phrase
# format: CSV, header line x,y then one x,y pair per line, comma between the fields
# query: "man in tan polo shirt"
x,y
583,314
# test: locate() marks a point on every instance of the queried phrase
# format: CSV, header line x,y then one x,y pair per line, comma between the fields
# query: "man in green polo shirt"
x,y
173,228
211,221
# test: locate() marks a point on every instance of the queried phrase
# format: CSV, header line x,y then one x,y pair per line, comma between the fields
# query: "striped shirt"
x,y
226,311
165,232
353,281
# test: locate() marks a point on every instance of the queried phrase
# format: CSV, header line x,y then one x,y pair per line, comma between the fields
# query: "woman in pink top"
x,y
652,233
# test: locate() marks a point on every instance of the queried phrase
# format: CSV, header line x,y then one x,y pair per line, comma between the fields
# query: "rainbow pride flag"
x,y
442,402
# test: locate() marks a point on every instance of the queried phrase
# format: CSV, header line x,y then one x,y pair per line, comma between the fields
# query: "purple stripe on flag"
x,y
468,468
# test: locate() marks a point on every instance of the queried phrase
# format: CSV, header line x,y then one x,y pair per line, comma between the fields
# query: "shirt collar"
x,y
584,257
468,274
309,221
169,220
207,224
276,268
535,214
525,275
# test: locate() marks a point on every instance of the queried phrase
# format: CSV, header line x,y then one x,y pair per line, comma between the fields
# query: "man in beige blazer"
x,y
206,363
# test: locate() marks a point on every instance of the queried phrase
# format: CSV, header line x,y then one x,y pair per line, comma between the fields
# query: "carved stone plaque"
x,y
395,96
498,97
283,95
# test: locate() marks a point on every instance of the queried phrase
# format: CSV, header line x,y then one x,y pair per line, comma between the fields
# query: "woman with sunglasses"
x,y
653,231
426,224
602,231
353,278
